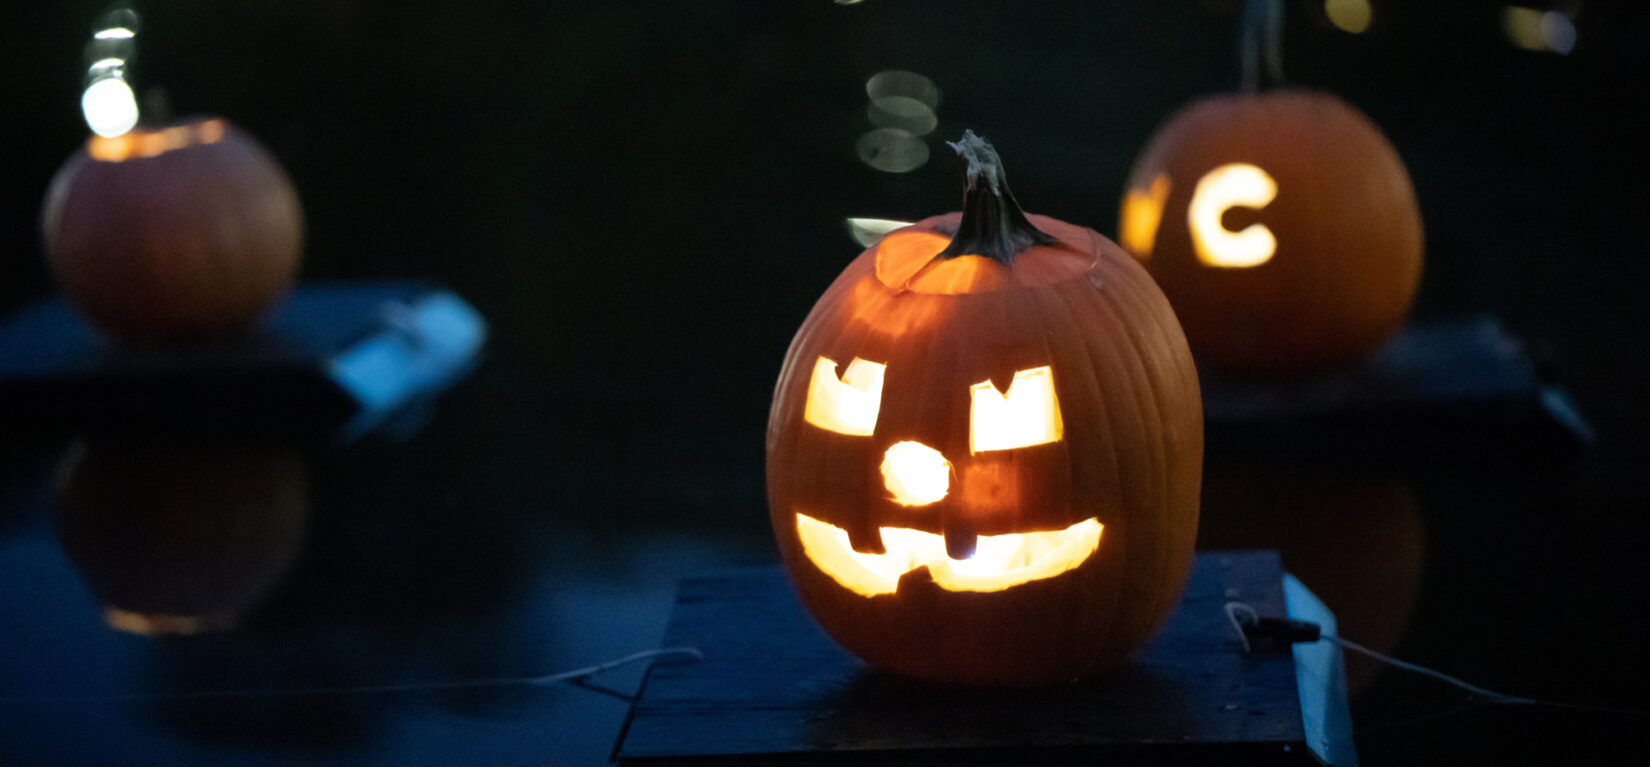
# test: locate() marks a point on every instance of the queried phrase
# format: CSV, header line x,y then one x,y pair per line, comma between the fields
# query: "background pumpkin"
x,y
1280,222
1008,293
181,233
1344,218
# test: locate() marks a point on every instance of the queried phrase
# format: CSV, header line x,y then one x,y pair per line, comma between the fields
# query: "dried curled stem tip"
x,y
980,160
993,225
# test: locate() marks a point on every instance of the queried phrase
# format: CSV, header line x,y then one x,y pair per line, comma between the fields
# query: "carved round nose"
x,y
915,473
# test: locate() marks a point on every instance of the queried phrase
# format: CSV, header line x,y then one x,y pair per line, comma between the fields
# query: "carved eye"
x,y
1027,414
845,406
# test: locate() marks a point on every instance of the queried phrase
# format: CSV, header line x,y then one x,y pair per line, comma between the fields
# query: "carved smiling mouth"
x,y
999,561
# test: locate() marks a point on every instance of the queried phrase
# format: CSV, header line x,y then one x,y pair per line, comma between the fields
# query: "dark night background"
x,y
644,199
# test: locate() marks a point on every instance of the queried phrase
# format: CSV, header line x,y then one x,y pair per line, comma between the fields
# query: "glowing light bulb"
x,y
110,107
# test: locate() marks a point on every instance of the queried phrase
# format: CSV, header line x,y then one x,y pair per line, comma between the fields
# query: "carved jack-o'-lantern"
x,y
1281,223
985,447
186,232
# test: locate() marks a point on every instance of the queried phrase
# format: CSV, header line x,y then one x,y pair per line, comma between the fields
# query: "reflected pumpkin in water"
x,y
180,540
1355,539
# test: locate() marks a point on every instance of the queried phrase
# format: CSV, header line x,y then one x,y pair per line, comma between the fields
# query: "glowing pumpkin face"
x,y
985,469
1283,227
919,477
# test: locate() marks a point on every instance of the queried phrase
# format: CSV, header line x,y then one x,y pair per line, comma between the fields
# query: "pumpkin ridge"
x,y
1148,401
1081,357
1140,538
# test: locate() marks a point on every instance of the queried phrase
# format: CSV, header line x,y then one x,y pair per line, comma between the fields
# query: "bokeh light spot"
x,y
110,107
892,150
1352,16
904,113
899,82
1535,30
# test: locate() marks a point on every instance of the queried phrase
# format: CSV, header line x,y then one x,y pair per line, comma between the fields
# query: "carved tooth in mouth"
x,y
999,561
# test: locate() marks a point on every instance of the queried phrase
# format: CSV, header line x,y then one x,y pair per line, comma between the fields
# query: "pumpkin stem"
x,y
1260,44
993,225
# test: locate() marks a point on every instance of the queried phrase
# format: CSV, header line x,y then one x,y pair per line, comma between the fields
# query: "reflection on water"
x,y
176,539
1354,538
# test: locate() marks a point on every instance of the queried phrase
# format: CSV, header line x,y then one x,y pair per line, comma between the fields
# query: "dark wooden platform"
x,y
1461,386
773,689
330,362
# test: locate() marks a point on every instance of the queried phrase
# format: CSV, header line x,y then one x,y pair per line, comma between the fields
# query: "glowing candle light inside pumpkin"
x,y
1027,414
915,473
1000,562
1230,186
848,405
1142,212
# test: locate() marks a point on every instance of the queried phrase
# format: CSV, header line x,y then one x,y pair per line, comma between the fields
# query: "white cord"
x,y
573,677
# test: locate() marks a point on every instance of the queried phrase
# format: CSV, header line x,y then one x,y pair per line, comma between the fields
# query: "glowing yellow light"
x,y
1230,186
901,256
999,561
1535,30
1027,414
115,33
149,143
846,406
1142,211
155,624
110,107
1349,15
915,473
963,274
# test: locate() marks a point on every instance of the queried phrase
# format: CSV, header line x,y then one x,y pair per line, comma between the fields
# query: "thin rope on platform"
x,y
576,677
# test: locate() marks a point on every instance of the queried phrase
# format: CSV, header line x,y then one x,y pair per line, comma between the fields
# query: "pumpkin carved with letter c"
x,y
985,448
1283,227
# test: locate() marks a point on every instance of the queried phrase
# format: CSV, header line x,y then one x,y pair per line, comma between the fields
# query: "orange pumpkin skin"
x,y
1347,226
190,232
1130,455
